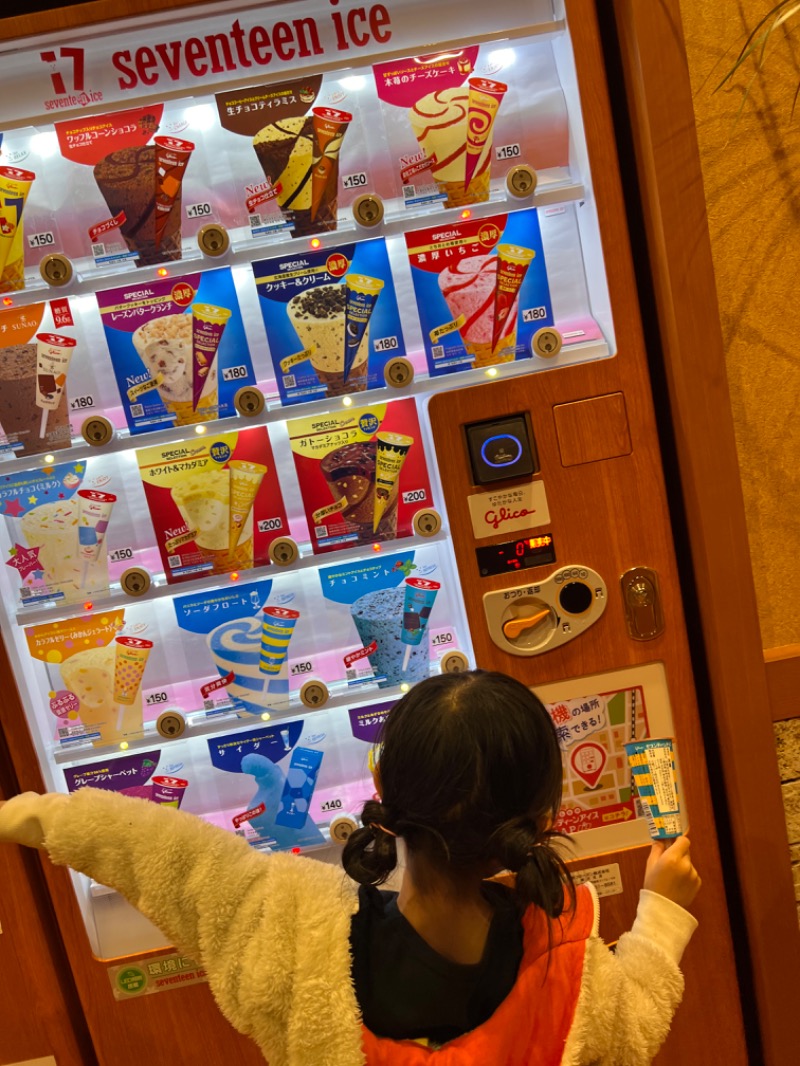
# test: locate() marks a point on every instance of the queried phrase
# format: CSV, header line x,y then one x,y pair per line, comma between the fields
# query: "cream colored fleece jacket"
x,y
272,931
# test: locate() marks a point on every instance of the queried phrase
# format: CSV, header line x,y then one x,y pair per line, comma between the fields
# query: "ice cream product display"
x,y
419,598
330,127
652,764
235,647
332,319
277,627
482,290
172,158
53,355
94,514
378,618
15,185
215,503
178,349
90,676
339,459
301,779
130,659
168,790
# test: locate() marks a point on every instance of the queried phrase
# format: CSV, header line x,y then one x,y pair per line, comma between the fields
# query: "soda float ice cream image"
x,y
172,158
378,618
53,529
420,596
130,659
90,676
127,179
15,185
94,514
276,632
392,449
245,481
235,647
319,318
20,413
454,129
652,764
53,355
208,324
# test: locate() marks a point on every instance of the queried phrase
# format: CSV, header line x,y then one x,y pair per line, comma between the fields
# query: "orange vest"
x,y
531,1025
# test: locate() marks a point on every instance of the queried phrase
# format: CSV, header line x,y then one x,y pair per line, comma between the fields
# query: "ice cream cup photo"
x,y
378,618
245,482
652,763
172,158
330,127
420,596
130,659
168,791
208,325
361,296
276,632
94,514
392,449
512,266
53,356
15,185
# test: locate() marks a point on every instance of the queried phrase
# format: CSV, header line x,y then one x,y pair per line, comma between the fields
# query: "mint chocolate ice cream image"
x,y
378,617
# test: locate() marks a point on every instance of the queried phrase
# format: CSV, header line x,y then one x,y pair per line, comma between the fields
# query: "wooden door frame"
x,y
687,351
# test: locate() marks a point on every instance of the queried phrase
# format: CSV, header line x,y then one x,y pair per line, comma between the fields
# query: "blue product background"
x,y
214,287
204,611
367,257
346,583
522,228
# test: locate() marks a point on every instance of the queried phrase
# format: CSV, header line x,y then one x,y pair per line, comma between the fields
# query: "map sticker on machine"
x,y
301,150
178,348
331,318
482,290
45,373
136,169
215,502
458,120
362,473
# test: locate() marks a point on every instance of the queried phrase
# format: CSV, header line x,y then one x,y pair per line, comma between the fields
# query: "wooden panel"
x,y
783,681
658,101
592,429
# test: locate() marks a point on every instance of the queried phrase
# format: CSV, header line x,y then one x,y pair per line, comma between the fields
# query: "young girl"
x,y
466,966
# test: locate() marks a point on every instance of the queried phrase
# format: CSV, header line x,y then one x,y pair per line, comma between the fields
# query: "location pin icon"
x,y
588,761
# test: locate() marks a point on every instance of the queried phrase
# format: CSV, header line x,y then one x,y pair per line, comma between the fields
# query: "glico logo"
x,y
495,519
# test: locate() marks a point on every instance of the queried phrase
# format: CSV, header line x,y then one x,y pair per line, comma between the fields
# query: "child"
x,y
456,970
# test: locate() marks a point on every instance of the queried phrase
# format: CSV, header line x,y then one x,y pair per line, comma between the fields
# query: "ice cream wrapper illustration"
x,y
235,648
53,355
362,293
391,452
94,514
246,480
330,127
512,266
169,791
652,764
15,185
484,99
378,618
420,596
172,158
208,323
130,659
277,628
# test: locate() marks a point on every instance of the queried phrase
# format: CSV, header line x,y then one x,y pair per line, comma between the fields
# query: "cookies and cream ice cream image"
x,y
319,318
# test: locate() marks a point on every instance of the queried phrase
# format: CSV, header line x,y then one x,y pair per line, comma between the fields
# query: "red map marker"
x,y
588,761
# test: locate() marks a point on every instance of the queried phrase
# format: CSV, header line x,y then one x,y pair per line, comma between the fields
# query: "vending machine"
x,y
322,371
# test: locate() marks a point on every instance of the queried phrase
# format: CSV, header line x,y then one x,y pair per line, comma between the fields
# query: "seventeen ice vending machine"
x,y
321,371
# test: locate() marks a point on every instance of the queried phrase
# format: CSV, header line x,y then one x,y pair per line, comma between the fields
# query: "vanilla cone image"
x,y
204,501
439,122
319,317
246,480
165,346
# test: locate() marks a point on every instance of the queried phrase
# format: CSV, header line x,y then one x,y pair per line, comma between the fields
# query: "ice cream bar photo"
x,y
94,514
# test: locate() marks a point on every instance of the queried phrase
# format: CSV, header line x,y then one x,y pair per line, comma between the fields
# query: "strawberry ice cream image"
x,y
469,290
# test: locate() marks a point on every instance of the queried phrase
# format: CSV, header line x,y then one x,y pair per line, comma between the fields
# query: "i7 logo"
x,y
76,56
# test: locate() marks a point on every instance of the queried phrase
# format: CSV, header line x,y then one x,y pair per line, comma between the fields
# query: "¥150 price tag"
x,y
45,239
507,151
301,668
198,210
354,181
153,699
445,638
120,555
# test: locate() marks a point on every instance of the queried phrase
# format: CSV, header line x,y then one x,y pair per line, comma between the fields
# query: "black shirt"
x,y
408,991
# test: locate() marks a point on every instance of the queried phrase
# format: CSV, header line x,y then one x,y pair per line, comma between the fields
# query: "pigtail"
x,y
370,854
543,877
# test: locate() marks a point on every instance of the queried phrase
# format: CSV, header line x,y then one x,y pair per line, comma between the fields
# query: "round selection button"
x,y
503,449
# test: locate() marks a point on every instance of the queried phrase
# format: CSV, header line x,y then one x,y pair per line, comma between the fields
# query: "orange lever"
x,y
515,627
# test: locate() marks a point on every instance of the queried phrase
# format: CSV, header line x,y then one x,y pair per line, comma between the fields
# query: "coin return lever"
x,y
531,619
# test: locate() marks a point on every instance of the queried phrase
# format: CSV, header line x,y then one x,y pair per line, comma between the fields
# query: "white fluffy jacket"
x,y
272,931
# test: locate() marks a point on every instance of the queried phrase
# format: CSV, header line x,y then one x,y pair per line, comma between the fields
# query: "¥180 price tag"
x,y
81,403
234,373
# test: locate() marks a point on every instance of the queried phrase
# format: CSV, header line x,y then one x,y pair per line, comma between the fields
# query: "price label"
x,y
386,344
156,697
331,805
354,181
81,403
507,151
443,638
41,240
198,210
415,496
534,314
267,525
302,666
234,373
120,555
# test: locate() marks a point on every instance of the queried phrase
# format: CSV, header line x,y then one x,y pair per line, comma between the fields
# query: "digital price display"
x,y
515,555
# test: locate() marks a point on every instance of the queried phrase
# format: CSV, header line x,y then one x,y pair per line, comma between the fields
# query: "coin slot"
x,y
575,598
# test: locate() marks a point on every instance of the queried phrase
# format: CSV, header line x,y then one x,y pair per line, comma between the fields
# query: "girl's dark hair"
x,y
471,776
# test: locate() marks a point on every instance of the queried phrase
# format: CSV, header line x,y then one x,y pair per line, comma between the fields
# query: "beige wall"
x,y
750,149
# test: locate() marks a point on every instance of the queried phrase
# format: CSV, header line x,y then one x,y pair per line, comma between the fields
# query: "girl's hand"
x,y
670,871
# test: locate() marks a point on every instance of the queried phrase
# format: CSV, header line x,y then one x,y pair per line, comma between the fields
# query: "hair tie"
x,y
382,828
